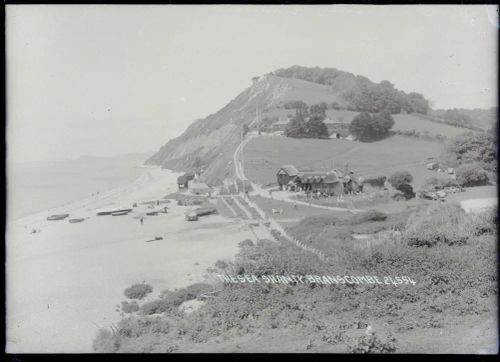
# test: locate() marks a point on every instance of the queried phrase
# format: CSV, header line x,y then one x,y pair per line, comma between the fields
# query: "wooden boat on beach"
x,y
120,212
113,211
73,221
57,217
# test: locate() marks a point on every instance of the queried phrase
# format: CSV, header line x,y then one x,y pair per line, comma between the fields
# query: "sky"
x,y
105,80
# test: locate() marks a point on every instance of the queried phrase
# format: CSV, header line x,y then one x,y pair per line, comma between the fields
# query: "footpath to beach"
x,y
64,282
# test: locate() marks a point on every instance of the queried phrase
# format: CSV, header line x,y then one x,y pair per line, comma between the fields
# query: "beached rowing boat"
x,y
58,217
112,211
76,220
119,213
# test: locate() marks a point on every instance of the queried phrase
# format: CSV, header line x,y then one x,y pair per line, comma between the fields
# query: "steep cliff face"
x,y
214,139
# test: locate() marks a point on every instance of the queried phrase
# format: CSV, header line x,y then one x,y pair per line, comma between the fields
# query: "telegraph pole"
x,y
258,120
242,159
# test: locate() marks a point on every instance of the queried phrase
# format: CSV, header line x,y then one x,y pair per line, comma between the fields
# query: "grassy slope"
x,y
264,156
407,122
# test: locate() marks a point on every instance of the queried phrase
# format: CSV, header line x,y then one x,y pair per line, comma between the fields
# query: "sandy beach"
x,y
64,282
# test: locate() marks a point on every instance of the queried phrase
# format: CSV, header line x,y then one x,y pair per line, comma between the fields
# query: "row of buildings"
x,y
330,183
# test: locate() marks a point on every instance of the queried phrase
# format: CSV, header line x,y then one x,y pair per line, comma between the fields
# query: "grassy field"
x,y
407,122
265,155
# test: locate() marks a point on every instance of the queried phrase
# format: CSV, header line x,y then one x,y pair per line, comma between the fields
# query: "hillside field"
x,y
266,154
402,122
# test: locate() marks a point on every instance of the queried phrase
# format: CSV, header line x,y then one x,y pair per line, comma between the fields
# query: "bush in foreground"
x,y
138,291
440,224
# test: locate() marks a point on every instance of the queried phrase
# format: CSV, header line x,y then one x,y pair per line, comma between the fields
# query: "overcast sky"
x,y
109,79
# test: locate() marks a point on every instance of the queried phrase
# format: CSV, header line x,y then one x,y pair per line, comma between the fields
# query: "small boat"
x,y
152,213
156,238
76,220
113,211
57,217
119,213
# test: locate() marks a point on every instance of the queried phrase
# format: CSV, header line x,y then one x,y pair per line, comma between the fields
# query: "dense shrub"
x,y
372,343
400,178
130,307
138,291
472,148
471,175
401,181
442,223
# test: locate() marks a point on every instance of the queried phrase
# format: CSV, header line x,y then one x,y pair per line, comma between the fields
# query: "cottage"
x,y
286,174
182,182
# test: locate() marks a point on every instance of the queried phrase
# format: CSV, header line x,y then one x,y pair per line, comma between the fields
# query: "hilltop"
x,y
211,141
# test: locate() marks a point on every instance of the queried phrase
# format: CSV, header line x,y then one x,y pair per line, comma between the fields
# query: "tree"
x,y
368,128
316,128
400,178
246,129
296,127
471,175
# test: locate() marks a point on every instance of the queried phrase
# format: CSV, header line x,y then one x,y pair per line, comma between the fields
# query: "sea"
x,y
36,186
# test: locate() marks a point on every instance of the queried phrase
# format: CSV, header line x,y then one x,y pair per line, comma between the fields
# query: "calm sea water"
x,y
37,186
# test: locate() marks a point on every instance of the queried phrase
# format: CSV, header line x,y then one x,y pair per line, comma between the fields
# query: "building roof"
x,y
319,177
290,170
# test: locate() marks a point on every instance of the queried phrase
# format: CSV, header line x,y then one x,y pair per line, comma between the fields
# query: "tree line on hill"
x,y
308,122
359,93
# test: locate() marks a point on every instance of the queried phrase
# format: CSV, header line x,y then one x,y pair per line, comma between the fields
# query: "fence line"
x,y
274,225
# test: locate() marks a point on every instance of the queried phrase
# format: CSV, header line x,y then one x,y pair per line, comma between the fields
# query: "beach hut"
x,y
182,182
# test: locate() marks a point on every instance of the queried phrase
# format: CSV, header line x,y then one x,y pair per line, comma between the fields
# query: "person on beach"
x,y
142,221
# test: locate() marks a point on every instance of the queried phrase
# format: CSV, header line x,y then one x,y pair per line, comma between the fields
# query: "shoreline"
x,y
64,283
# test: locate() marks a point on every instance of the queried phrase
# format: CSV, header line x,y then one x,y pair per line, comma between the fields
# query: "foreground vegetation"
x,y
455,274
